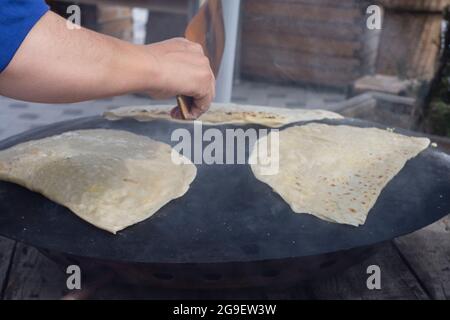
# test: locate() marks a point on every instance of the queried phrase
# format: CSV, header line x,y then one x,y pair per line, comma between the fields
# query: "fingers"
x,y
183,44
176,114
203,99
202,85
193,59
199,107
195,48
183,69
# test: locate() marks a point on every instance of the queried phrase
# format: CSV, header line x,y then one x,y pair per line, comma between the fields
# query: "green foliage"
x,y
439,115
438,120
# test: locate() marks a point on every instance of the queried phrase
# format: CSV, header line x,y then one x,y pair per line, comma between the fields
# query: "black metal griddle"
x,y
227,216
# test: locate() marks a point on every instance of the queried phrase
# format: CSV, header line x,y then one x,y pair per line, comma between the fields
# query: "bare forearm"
x,y
55,64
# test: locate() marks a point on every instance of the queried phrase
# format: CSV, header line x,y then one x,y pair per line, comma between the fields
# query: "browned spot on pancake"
x,y
130,180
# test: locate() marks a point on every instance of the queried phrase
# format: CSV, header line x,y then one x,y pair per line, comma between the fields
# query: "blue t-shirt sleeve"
x,y
17,18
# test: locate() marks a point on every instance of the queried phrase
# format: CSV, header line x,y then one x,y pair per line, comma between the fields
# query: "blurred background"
x,y
296,54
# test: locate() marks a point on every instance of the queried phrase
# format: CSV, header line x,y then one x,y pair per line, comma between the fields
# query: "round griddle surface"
x,y
227,215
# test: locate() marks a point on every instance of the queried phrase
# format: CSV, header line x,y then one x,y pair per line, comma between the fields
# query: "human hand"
x,y
181,68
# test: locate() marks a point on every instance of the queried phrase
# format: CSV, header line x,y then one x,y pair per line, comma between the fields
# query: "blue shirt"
x,y
17,18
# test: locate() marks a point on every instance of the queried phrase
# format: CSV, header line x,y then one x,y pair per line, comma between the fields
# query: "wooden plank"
x,y
328,30
301,74
266,55
322,3
301,11
428,254
425,57
33,276
381,83
6,254
309,44
397,282
436,6
290,33
409,45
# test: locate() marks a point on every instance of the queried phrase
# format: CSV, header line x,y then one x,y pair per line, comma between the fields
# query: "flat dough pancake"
x,y
336,173
110,178
227,114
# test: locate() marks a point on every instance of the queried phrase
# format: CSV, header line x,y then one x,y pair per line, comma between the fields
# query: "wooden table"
x,y
416,266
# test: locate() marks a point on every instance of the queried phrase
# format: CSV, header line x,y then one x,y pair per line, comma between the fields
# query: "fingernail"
x,y
175,113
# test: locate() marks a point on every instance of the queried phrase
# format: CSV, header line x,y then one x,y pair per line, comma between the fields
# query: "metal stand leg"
x,y
225,78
